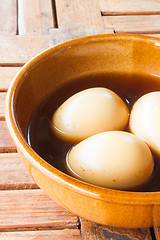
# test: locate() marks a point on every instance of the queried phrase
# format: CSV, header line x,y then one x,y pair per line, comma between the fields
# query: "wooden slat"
x,y
17,50
125,7
133,24
157,232
77,18
156,218
6,76
65,234
13,174
47,18
2,105
92,230
32,210
78,13
34,17
8,13
61,35
6,143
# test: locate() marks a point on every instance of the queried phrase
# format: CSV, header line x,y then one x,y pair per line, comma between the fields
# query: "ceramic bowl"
x,y
45,72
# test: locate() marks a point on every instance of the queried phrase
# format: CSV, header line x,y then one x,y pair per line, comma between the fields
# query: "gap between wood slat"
x,y
12,64
105,13
54,9
154,233
17,30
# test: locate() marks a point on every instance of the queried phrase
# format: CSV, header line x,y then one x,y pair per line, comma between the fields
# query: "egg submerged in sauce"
x,y
53,148
89,112
145,120
113,159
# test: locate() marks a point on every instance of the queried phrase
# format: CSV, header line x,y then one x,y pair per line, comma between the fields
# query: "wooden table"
x,y
26,28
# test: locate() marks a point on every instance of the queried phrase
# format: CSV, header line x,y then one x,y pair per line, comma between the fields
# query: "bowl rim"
x,y
69,182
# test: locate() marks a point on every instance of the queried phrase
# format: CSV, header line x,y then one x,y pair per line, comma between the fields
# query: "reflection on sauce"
x,y
128,86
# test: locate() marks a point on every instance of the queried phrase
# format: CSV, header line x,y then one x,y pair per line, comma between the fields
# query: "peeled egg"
x,y
89,112
145,120
113,159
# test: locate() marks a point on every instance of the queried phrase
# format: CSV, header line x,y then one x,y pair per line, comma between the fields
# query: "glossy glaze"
x,y
102,53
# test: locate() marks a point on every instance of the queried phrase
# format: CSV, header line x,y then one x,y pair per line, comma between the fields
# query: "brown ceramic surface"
x,y
102,53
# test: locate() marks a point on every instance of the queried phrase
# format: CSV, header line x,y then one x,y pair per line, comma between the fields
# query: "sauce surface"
x,y
128,86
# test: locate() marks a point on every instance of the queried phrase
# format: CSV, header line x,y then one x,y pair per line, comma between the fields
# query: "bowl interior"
x,y
58,65
118,54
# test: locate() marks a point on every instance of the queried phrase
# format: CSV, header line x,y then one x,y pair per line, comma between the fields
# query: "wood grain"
x,y
17,50
47,18
8,14
6,143
133,24
2,105
13,174
32,210
95,231
65,234
78,13
77,18
34,17
6,76
157,232
61,35
125,7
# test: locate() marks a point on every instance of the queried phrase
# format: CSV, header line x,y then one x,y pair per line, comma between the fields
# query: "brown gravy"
x,y
128,86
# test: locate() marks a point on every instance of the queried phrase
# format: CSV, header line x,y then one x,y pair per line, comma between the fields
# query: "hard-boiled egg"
x,y
89,112
113,159
145,120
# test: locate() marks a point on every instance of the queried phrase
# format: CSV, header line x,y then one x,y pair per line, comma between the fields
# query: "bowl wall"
x,y
54,67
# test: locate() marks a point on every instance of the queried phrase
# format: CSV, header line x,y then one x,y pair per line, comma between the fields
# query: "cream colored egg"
x,y
113,159
145,120
89,112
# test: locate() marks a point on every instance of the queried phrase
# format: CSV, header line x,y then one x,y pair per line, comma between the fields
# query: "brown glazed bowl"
x,y
56,65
